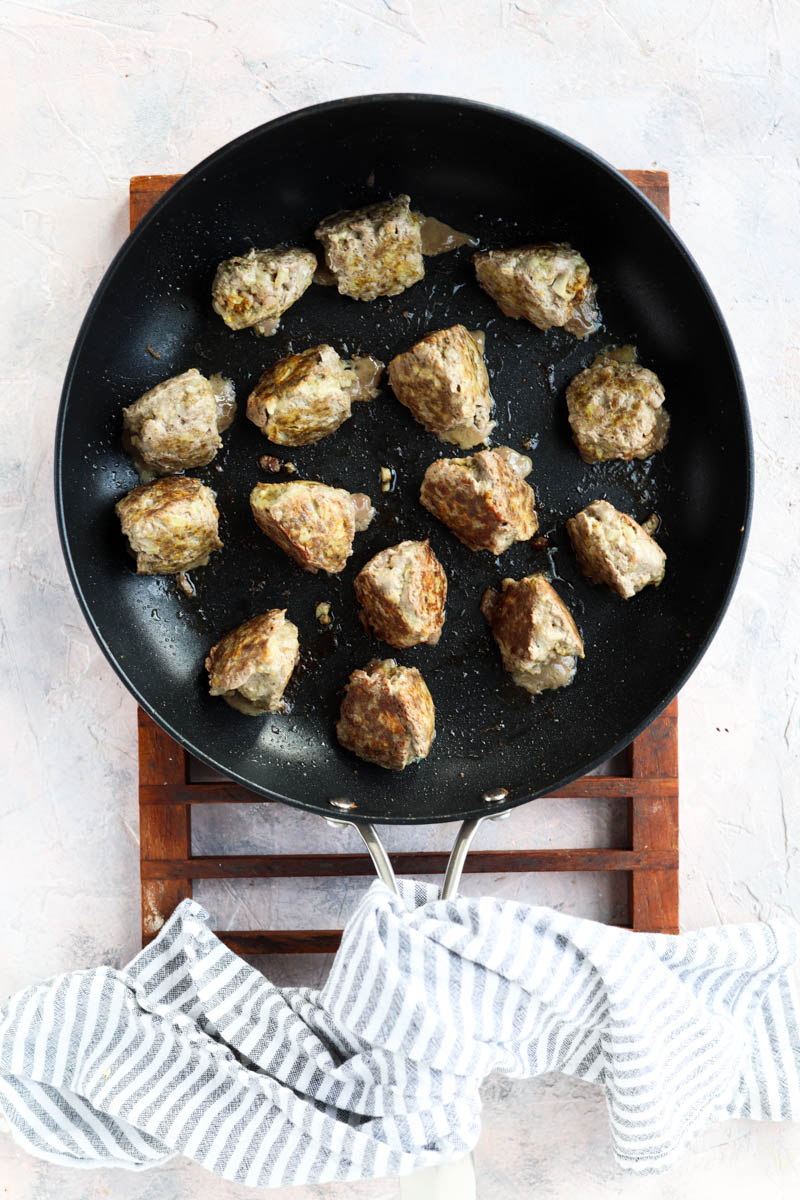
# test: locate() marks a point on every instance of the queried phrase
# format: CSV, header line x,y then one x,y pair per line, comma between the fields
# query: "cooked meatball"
x,y
251,666
484,499
444,382
374,251
306,396
387,715
615,410
548,285
612,548
253,290
313,523
402,592
537,636
176,425
171,525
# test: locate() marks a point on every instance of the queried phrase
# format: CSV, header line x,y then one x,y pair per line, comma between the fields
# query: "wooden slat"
x,y
281,941
202,793
145,190
315,866
612,787
590,787
164,831
654,896
292,941
655,185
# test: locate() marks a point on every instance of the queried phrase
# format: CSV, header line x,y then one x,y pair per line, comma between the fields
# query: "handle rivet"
x,y
342,803
495,796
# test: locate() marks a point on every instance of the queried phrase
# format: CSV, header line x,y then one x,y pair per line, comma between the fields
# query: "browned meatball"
x,y
547,284
172,525
374,251
251,666
253,290
444,382
306,396
387,715
615,410
313,523
537,636
484,499
612,548
402,592
176,425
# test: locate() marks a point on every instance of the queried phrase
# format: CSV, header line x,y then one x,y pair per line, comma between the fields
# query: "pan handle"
x,y
458,856
377,851
455,863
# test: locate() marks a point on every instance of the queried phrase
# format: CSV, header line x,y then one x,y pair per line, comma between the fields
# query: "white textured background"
x,y
96,90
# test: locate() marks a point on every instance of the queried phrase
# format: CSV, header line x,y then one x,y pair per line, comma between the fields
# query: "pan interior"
x,y
505,181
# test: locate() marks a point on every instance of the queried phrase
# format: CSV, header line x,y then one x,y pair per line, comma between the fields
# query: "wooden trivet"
x,y
649,786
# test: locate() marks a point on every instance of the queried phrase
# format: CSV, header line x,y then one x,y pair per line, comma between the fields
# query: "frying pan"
x,y
506,180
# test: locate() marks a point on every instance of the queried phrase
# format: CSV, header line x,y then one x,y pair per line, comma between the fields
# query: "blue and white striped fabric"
x,y
189,1050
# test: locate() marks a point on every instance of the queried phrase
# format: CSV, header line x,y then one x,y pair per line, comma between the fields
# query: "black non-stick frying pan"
x,y
506,180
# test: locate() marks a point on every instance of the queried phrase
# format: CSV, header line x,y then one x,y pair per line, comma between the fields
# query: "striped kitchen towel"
x,y
189,1050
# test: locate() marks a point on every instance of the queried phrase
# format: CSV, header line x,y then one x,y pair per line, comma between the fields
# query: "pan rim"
x,y
129,246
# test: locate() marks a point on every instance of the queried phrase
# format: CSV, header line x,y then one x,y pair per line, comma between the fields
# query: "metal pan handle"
x,y
455,863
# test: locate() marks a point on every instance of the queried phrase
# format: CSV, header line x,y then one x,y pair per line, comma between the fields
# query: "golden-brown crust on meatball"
x,y
402,593
374,251
174,425
614,549
312,522
483,499
615,411
537,637
251,666
548,284
387,715
259,286
172,525
306,396
443,380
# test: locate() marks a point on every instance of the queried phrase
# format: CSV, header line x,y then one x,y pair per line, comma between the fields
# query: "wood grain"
x,y
146,189
411,863
165,831
654,825
590,787
654,185
166,794
281,941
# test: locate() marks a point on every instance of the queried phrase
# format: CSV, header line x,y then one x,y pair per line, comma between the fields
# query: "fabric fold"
x,y
191,1050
